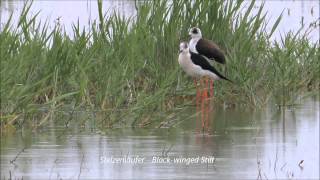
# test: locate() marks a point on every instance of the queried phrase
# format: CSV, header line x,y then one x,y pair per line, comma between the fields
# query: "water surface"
x,y
242,144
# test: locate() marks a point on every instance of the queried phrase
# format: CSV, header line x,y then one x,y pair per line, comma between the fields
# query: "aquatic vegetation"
x,y
127,68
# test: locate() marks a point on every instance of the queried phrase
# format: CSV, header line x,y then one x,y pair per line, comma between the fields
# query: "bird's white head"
x,y
183,47
195,32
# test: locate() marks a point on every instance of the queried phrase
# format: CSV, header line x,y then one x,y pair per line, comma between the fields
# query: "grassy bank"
x,y
127,67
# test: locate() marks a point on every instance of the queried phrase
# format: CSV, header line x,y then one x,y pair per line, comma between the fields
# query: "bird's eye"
x,y
194,31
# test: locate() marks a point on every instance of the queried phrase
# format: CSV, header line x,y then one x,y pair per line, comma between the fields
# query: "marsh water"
x,y
241,144
269,143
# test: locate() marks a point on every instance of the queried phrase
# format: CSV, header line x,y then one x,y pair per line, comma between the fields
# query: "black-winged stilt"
x,y
197,66
206,48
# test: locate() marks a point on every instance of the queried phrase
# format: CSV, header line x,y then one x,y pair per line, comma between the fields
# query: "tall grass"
x,y
127,67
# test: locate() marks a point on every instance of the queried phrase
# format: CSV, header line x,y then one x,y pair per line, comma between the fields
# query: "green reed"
x,y
128,69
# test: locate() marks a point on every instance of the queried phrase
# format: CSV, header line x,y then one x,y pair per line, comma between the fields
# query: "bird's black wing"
x,y
210,50
204,64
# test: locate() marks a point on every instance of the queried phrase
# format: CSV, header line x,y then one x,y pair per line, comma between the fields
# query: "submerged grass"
x,y
127,67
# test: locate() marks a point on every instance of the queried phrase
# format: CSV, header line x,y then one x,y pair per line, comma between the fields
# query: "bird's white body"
x,y
192,44
191,69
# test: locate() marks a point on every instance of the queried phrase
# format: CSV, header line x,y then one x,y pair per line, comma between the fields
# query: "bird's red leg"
x,y
202,103
207,115
198,93
206,85
197,98
211,88
207,103
211,84
196,85
197,89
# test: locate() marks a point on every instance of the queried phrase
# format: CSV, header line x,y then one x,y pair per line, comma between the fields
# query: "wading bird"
x,y
197,66
206,48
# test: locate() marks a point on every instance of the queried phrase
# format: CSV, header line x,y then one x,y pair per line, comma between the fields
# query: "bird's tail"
x,y
222,77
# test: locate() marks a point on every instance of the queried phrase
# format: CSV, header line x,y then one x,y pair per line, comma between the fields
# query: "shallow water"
x,y
242,144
